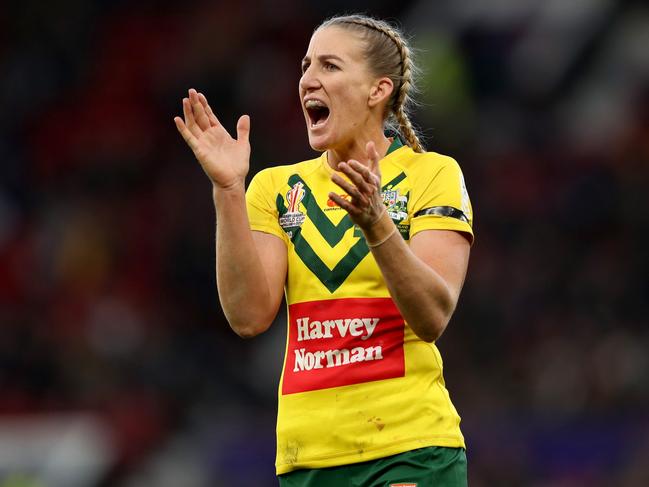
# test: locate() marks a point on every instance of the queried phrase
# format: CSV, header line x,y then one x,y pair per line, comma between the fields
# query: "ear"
x,y
380,92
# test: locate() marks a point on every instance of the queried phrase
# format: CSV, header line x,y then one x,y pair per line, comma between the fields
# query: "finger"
x,y
346,186
356,177
374,156
208,109
363,170
243,128
190,123
192,142
350,189
345,204
200,115
373,179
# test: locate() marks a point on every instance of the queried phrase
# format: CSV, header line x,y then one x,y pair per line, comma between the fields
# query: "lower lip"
x,y
318,125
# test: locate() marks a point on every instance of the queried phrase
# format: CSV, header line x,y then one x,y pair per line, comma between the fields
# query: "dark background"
x,y
117,367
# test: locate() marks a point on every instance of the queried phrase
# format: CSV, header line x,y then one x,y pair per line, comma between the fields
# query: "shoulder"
x,y
426,164
438,177
269,183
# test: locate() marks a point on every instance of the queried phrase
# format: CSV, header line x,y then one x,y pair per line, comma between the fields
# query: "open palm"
x,y
224,159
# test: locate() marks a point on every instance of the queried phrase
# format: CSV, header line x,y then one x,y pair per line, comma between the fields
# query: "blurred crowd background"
x,y
117,367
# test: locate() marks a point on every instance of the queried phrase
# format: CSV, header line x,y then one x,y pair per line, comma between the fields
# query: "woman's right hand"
x,y
225,160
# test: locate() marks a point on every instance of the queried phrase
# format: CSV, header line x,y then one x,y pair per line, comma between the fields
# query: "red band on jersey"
x,y
341,342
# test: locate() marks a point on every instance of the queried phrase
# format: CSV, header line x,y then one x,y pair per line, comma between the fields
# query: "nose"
x,y
309,81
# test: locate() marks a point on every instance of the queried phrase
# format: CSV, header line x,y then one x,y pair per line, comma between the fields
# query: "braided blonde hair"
x,y
388,54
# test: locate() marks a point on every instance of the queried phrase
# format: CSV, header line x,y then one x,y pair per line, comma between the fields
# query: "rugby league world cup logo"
x,y
293,217
294,197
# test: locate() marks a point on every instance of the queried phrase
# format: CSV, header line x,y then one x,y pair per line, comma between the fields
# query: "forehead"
x,y
342,42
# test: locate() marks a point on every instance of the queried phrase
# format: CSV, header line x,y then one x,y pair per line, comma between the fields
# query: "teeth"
x,y
314,104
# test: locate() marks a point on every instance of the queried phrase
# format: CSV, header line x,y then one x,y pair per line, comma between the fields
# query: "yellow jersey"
x,y
357,383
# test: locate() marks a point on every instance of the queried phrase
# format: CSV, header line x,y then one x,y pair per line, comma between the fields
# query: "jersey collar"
x,y
396,144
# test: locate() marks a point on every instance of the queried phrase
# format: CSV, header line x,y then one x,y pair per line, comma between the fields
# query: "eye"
x,y
330,67
305,66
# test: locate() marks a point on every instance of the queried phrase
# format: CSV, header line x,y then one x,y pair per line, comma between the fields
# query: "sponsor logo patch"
x,y
340,342
332,204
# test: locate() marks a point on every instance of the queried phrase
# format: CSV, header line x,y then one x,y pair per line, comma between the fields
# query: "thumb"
x,y
243,128
373,156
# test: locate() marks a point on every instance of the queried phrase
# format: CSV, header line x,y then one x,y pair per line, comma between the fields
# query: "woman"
x,y
370,241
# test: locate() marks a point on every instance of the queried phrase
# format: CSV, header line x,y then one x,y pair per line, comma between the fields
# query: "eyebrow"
x,y
323,57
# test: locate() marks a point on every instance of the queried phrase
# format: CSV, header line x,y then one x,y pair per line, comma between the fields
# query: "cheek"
x,y
354,114
352,105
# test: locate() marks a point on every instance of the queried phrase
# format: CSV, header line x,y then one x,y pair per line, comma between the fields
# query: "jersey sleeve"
x,y
262,208
440,200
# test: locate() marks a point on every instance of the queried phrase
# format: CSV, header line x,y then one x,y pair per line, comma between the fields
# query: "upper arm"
x,y
269,238
441,230
447,253
274,261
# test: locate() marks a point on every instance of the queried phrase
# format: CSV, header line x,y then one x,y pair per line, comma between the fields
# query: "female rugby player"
x,y
370,244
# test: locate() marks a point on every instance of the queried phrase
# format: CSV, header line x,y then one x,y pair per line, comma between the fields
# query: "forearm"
x,y
423,297
240,277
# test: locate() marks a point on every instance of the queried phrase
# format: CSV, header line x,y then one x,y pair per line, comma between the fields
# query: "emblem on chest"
x,y
293,217
396,204
324,234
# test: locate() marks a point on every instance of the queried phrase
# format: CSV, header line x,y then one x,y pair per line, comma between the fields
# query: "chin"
x,y
318,143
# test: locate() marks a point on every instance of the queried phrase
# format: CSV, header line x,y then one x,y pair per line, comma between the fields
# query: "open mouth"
x,y
317,111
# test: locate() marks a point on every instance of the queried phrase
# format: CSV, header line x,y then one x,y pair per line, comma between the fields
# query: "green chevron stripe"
x,y
394,182
332,279
333,234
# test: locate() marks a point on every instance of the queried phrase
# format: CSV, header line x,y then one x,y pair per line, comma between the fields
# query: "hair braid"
x,y
403,80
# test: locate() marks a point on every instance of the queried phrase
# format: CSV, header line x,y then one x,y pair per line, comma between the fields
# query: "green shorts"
x,y
434,466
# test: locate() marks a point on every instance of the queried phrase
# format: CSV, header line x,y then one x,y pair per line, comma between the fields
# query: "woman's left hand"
x,y
365,206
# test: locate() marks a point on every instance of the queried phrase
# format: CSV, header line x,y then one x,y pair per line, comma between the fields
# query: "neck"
x,y
356,150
